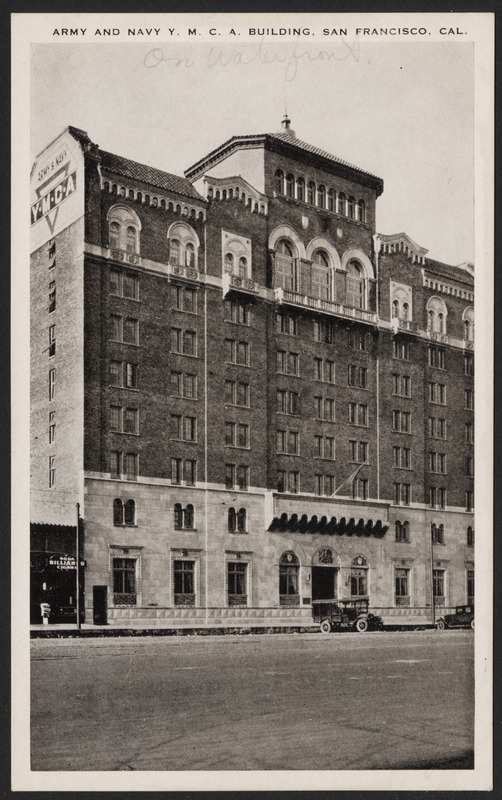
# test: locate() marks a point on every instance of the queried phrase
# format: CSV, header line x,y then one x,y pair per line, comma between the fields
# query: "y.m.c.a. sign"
x,y
54,197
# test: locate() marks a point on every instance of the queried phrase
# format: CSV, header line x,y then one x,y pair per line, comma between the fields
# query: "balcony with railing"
x,y
404,325
125,256
237,283
183,272
435,336
287,297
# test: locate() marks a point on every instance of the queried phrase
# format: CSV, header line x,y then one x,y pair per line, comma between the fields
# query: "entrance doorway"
x,y
100,604
324,583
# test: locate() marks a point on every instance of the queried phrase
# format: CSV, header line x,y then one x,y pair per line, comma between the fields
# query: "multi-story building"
x,y
256,399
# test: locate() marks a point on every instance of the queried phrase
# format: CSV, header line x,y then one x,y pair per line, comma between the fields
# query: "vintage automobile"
x,y
463,617
352,614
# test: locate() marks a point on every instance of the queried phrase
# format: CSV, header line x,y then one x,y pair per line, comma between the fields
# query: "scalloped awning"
x,y
314,524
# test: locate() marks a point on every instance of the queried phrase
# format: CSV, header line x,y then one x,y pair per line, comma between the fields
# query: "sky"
x,y
402,111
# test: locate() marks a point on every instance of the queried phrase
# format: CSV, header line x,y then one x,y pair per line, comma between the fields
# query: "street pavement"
x,y
381,700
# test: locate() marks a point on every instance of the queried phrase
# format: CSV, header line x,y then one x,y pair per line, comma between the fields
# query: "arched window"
x,y
331,200
285,266
311,192
290,185
188,516
232,519
342,204
355,285
361,211
402,531
178,516
321,196
183,245
321,275
229,263
279,181
123,229
300,189
351,207
406,311
237,257
289,568
436,315
114,234
131,235
395,309
118,512
468,319
130,512
359,577
241,519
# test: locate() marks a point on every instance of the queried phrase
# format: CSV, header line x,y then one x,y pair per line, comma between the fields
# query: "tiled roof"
x,y
155,177
448,271
317,151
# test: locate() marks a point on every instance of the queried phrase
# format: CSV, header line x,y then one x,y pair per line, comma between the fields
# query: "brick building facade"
x,y
255,398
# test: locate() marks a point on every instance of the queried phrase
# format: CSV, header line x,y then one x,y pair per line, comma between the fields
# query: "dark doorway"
x,y
100,604
324,583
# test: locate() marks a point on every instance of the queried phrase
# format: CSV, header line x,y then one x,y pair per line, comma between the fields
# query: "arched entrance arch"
x,y
325,568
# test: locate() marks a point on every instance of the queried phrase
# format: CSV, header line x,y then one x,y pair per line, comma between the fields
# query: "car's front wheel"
x,y
440,625
472,624
362,625
325,626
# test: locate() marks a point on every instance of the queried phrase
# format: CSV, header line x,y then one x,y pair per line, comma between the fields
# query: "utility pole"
x,y
77,563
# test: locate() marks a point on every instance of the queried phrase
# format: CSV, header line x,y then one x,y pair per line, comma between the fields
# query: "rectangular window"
x,y
184,299
189,471
131,466
176,340
402,385
115,464
470,586
469,500
131,372
401,349
237,583
116,328
237,311
115,418
124,581
189,343
401,421
130,286
360,489
324,485
190,386
242,477
437,497
236,434
287,362
357,340
402,583
437,462
131,331
438,582
402,494
436,357
402,457
470,537
469,399
52,384
52,472
184,583
469,432
287,324
468,364
358,582
288,402
229,476
357,376
437,393
114,282
189,429
236,352
176,470
52,296
131,420
52,340
324,370
323,331
436,428
52,427
358,414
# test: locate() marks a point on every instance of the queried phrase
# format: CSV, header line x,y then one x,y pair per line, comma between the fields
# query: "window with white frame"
x,y
289,571
402,531
183,517
183,245
124,513
288,481
237,520
237,476
321,275
439,586
436,315
124,229
468,323
356,285
324,485
237,583
125,578
285,265
402,586
184,582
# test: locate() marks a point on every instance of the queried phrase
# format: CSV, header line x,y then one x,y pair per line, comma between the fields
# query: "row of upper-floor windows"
x,y
327,199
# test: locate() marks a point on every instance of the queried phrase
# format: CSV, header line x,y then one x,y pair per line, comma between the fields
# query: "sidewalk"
x,y
69,631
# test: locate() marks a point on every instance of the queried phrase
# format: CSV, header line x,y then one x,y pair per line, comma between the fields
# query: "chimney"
x,y
286,122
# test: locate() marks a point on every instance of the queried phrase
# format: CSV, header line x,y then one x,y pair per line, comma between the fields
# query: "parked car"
x,y
353,614
463,617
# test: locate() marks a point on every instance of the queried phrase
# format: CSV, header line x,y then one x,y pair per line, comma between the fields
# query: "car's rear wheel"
x,y
440,625
472,624
325,626
362,625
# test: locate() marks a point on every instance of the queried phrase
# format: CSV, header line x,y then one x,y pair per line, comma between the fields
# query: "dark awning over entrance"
x,y
341,527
